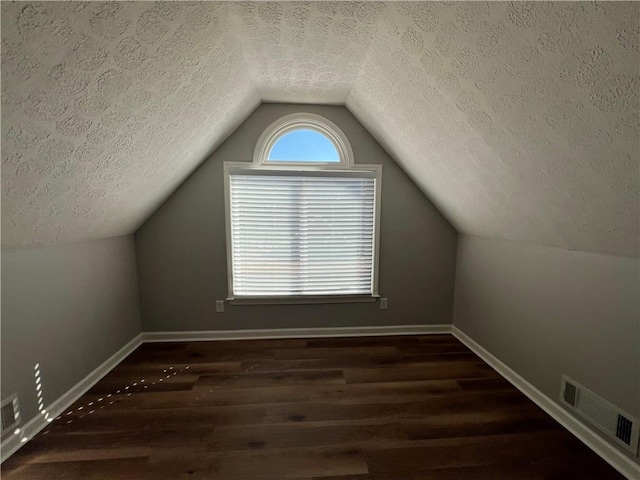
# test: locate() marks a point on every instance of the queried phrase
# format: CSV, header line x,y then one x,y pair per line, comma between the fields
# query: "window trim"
x,y
307,121
375,170
302,299
263,146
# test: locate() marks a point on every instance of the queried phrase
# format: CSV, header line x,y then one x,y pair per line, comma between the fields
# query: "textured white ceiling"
x,y
520,121
107,107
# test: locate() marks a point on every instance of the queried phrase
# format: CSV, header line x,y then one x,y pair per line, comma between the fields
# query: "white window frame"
x,y
300,121
266,141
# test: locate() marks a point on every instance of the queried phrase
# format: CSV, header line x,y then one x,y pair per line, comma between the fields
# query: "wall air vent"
x,y
10,414
602,414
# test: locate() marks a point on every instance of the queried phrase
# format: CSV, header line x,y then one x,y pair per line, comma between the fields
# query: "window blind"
x,y
302,233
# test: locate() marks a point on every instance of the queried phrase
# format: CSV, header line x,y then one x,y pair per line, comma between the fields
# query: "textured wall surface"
x,y
519,120
106,107
68,308
182,254
545,312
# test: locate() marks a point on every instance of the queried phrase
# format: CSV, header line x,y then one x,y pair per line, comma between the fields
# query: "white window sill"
x,y
302,300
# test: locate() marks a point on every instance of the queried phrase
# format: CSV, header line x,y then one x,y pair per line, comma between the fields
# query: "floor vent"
x,y
10,414
607,417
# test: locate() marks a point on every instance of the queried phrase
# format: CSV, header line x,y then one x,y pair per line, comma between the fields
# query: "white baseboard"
x,y
594,441
213,335
27,431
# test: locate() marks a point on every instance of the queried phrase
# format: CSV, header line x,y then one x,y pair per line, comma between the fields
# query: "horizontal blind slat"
x,y
297,234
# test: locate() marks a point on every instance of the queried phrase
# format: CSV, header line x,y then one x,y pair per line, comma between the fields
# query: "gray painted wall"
x,y
181,249
68,308
546,311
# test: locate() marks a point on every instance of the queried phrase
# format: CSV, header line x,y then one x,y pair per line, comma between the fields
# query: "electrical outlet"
x,y
219,306
384,303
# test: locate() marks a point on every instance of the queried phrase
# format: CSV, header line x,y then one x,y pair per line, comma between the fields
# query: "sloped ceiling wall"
x,y
106,107
520,121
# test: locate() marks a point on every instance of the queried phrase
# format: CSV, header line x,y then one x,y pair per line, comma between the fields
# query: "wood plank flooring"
x,y
371,408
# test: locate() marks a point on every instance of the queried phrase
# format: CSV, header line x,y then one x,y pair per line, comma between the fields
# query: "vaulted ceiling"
x,y
519,121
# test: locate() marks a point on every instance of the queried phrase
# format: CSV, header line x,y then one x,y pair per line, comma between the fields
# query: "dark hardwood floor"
x,y
371,408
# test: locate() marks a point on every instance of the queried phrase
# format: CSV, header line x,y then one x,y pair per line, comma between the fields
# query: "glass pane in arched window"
x,y
304,146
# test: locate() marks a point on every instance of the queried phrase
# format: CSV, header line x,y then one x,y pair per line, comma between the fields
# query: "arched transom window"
x,y
303,139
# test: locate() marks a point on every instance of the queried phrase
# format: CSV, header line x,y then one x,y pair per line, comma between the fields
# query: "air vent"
x,y
10,414
602,414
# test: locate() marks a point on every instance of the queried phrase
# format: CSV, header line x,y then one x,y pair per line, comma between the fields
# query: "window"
x,y
302,220
303,139
301,146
